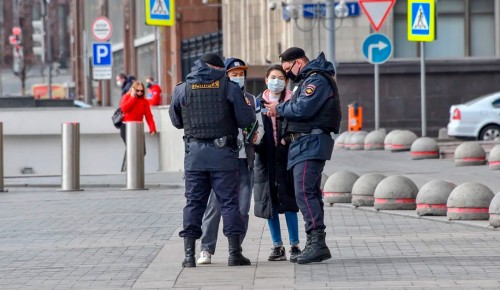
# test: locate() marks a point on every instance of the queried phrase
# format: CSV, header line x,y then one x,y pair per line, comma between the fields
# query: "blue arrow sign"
x,y
319,10
102,54
377,48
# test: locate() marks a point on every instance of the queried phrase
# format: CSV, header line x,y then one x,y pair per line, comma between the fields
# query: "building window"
x,y
465,28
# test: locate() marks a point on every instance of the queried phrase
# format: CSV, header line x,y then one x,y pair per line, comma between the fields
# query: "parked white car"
x,y
478,118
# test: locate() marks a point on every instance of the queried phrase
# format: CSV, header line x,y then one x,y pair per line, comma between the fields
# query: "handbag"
x,y
117,118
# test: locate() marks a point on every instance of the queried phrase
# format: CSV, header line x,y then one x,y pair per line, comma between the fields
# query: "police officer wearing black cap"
x,y
309,117
210,109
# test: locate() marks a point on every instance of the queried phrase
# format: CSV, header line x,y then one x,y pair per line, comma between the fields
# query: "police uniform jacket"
x,y
205,156
308,100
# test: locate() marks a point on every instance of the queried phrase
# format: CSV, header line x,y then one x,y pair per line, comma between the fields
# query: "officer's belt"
x,y
208,140
295,136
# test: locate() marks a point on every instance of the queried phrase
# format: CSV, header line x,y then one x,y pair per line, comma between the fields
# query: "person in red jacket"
x,y
153,94
135,107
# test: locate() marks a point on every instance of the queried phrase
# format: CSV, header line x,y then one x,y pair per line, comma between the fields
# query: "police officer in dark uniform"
x,y
211,108
310,116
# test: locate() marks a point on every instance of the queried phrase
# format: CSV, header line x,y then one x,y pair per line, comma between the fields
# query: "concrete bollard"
x,y
70,176
494,158
495,211
432,197
395,193
358,140
388,139
375,140
469,153
364,189
402,140
347,140
338,187
469,201
340,140
2,189
424,148
324,178
135,155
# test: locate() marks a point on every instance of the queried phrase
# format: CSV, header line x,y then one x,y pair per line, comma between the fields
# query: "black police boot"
x,y
189,245
318,250
235,256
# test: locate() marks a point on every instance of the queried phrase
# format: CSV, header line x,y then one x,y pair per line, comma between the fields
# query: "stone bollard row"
x,y
338,187
468,201
494,158
364,189
432,198
469,153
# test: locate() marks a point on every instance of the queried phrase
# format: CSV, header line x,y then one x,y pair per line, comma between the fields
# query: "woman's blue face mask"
x,y
276,85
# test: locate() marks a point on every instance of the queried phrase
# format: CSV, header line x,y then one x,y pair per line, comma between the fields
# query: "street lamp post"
x,y
332,12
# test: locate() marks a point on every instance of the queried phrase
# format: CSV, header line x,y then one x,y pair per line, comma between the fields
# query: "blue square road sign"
x,y
102,54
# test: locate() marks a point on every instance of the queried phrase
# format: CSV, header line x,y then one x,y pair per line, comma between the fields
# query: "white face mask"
x,y
119,83
239,80
276,85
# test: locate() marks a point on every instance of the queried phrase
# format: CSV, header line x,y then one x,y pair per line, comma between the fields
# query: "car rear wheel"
x,y
490,133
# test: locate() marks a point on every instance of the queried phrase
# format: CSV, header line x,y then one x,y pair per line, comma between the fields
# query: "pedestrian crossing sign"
x,y
421,20
160,12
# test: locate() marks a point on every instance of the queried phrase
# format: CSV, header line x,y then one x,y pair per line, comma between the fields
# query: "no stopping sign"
x,y
102,29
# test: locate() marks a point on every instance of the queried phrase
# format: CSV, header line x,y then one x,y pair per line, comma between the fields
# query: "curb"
x,y
120,186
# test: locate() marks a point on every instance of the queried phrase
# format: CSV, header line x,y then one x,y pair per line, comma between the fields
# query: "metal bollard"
x,y
70,157
1,158
135,155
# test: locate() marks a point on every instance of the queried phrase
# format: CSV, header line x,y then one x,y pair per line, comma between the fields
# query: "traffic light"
x,y
39,39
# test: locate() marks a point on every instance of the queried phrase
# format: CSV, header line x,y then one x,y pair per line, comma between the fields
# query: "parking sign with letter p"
x,y
102,54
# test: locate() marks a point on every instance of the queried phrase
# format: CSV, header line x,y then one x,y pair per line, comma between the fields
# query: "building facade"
x,y
463,63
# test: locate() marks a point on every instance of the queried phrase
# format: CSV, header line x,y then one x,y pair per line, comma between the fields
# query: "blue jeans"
x,y
212,216
292,224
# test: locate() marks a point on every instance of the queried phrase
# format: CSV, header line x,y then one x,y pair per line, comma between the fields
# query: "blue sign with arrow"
x,y
377,48
312,10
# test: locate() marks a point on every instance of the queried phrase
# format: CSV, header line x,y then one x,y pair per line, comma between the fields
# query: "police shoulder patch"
x,y
310,89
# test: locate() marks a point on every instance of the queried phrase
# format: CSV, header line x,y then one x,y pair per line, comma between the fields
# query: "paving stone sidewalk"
x,y
108,238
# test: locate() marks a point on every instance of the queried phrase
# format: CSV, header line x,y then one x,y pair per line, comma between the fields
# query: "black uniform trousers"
x,y
307,182
198,187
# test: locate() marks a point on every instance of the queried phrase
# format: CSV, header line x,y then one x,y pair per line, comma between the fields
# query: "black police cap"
x,y
292,54
213,59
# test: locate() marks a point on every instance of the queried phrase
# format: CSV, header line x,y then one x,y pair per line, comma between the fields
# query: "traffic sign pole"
x,y
377,49
422,28
377,98
422,89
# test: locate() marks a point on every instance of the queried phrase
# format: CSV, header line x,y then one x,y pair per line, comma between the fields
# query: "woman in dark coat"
x,y
273,189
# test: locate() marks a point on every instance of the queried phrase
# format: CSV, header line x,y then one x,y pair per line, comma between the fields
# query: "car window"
x,y
496,103
478,99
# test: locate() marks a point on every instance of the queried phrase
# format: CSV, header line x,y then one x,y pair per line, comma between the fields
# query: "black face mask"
x,y
290,74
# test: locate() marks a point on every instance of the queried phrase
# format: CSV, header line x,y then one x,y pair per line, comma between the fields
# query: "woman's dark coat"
x,y
273,188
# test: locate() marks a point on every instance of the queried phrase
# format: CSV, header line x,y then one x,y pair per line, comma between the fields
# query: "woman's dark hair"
x,y
279,68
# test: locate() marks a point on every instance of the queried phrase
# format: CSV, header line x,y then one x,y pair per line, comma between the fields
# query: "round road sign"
x,y
16,30
102,28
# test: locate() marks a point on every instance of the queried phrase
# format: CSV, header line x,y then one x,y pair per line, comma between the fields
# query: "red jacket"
x,y
135,109
153,95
